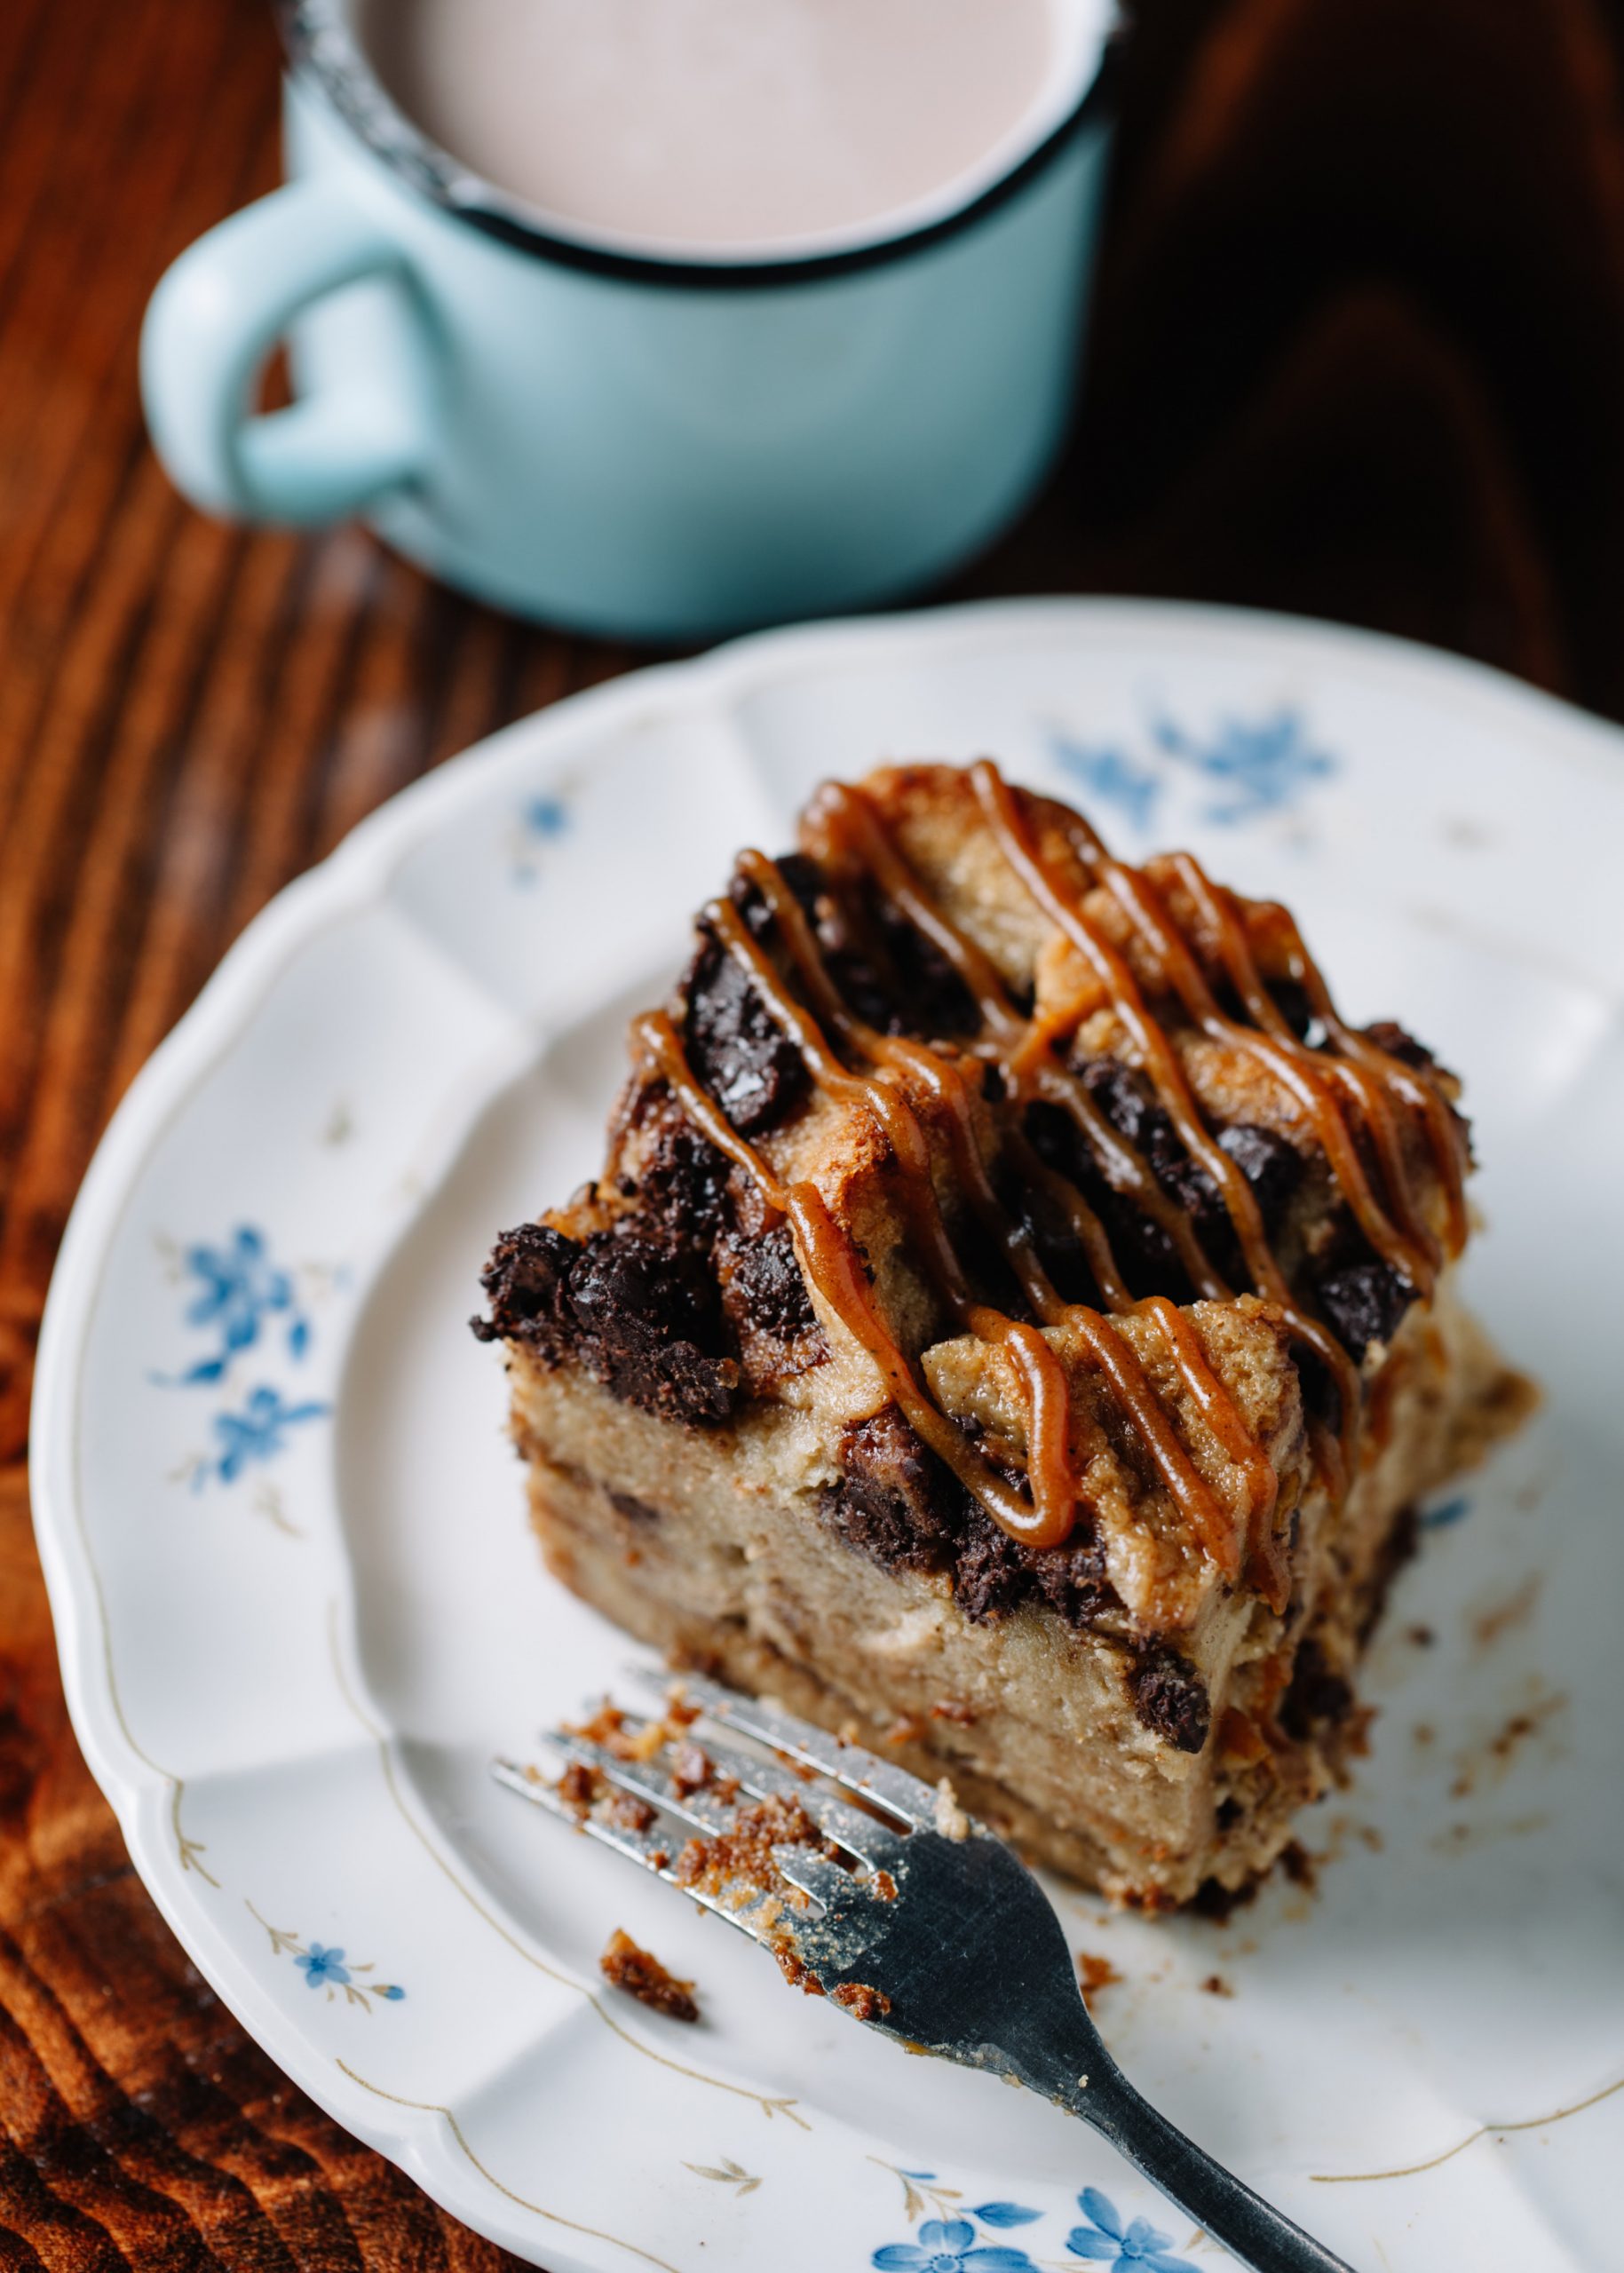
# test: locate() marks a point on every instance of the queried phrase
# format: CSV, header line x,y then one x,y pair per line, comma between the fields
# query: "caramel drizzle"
x,y
841,822
1053,1480
834,1267
1160,1060
844,833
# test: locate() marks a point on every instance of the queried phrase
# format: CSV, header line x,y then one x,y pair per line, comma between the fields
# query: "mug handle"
x,y
214,319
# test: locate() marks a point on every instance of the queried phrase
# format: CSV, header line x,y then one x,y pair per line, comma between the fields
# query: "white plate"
x,y
298,1605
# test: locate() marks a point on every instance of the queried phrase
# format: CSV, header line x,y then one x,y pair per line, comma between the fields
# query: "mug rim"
x,y
321,47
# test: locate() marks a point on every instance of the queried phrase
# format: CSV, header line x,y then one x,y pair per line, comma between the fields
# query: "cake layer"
x,y
1148,1766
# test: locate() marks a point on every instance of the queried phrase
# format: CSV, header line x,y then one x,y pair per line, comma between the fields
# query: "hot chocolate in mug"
x,y
663,431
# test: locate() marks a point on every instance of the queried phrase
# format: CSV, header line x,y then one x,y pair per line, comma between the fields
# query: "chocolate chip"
x,y
634,1510
746,1062
1273,1167
900,1504
1363,1302
650,1324
1315,1695
1116,1090
633,1304
1292,1001
895,1500
766,1289
683,1179
1170,1697
525,1283
1388,1034
993,1574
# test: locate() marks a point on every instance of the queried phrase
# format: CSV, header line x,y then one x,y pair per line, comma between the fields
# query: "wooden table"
x,y
1360,353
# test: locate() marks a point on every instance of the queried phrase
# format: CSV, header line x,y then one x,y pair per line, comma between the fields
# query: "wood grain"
x,y
1358,351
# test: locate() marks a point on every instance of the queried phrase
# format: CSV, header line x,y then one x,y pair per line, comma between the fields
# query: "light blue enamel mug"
x,y
630,441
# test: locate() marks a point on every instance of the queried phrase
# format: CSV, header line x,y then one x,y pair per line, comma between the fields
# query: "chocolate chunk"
x,y
525,1283
1388,1034
750,1066
1213,1899
684,1180
1273,1167
1145,1254
993,1574
1170,1697
649,1323
1133,1113
1291,1000
628,1504
1316,1695
1363,1302
765,1280
900,1504
1117,1091
634,1304
895,1500
930,992
1053,1237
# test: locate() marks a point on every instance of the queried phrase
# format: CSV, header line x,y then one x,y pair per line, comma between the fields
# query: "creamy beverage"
x,y
734,124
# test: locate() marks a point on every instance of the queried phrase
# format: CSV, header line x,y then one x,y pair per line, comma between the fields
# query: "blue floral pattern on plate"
x,y
1105,2240
255,1434
329,1967
949,2246
949,2242
540,821
240,1290
1241,768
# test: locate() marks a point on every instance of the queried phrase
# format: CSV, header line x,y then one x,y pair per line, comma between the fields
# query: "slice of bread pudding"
x,y
1014,1325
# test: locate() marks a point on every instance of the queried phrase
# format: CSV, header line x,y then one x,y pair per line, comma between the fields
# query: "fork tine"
x,y
816,1875
646,1779
644,1846
862,1836
892,1788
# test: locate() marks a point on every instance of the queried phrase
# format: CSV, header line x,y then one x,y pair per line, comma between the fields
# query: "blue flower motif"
x,y
545,816
255,1434
540,821
1111,776
1447,1513
323,1965
239,1289
1106,2240
948,2246
1259,766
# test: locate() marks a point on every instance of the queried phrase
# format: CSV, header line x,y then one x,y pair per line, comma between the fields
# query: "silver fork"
x,y
936,1933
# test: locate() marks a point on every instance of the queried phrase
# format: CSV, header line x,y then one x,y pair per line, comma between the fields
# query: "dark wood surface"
x,y
1358,351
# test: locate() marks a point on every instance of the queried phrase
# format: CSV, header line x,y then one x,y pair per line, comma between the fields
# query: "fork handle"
x,y
1259,2235
1254,2230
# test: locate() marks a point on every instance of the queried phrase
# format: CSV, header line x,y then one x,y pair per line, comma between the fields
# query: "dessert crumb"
x,y
1298,1865
1095,1973
1215,1985
1422,1637
863,2002
580,1786
624,1966
949,1817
